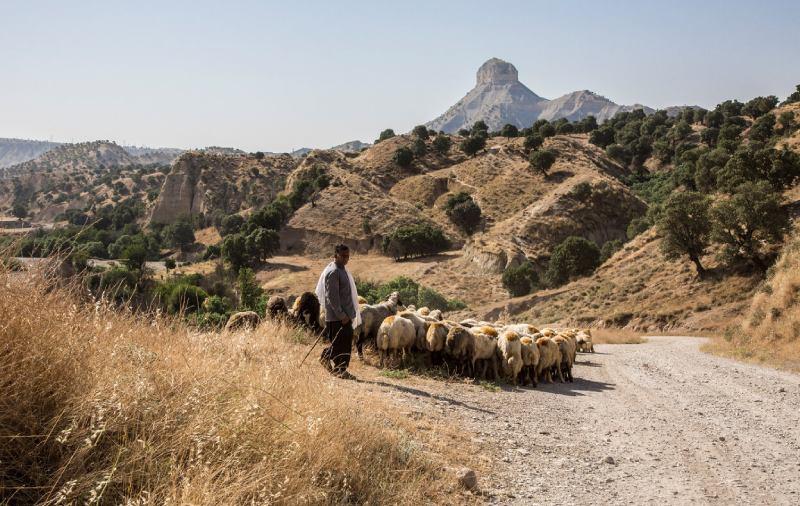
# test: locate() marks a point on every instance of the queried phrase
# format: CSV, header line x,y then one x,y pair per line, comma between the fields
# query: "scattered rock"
x,y
781,390
610,460
722,438
466,478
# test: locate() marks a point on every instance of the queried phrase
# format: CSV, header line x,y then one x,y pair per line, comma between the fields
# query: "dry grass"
x,y
108,407
770,331
616,336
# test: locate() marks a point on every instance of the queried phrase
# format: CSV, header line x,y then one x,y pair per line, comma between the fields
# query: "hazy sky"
x,y
281,75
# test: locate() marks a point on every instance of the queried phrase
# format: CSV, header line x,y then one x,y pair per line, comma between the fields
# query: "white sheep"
x,y
521,328
436,314
584,341
421,325
549,357
395,335
509,351
371,318
484,351
567,350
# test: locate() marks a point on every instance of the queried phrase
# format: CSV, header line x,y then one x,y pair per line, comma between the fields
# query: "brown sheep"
x,y
276,307
530,359
305,311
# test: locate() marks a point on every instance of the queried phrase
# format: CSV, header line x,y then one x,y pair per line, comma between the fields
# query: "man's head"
x,y
341,255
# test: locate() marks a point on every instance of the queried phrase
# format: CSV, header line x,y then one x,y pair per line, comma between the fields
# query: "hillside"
x,y
78,177
219,181
499,98
16,151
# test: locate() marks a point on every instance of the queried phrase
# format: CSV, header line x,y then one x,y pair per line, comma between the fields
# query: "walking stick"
x,y
310,350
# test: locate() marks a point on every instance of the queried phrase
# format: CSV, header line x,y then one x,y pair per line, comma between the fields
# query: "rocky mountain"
x,y
69,157
352,146
154,155
16,151
499,98
215,180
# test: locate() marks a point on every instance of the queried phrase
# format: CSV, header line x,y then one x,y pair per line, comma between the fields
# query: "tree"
x,y
231,224
684,227
418,147
403,156
547,130
759,106
179,234
763,128
509,130
249,291
794,97
479,126
787,123
259,155
169,264
637,226
532,142
521,279
420,131
565,128
19,210
472,144
386,134
463,211
261,244
750,218
574,257
602,136
135,256
542,160
609,248
441,144
234,251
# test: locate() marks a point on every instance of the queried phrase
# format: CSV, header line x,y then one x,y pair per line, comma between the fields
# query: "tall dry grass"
x,y
770,331
614,335
99,406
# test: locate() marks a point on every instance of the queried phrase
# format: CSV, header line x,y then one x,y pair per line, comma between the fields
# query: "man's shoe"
x,y
344,375
326,363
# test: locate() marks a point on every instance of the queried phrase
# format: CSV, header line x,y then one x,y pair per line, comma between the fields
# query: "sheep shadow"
x,y
422,393
579,387
588,363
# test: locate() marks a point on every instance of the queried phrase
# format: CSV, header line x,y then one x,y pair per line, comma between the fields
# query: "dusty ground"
x,y
660,422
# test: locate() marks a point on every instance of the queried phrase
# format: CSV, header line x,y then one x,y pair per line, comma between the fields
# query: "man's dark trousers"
x,y
341,338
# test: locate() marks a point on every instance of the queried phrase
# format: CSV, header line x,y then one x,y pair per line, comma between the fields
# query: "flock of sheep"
x,y
520,352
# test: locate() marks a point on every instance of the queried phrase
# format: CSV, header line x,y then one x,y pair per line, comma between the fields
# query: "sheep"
x,y
484,349
424,311
546,332
306,311
371,318
420,325
530,359
521,328
567,350
395,335
436,314
362,301
242,319
549,356
486,329
435,340
411,307
458,346
276,307
570,336
584,342
469,322
509,350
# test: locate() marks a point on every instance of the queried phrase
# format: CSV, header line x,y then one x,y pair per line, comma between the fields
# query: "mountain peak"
x,y
497,71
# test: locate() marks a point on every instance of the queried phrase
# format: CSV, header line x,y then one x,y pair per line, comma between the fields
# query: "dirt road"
x,y
642,424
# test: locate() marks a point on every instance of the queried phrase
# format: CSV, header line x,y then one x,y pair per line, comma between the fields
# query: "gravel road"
x,y
660,422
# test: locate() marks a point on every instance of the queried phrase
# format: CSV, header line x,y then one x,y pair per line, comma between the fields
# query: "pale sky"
x,y
277,76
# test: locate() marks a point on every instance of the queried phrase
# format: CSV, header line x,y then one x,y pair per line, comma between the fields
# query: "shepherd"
x,y
336,290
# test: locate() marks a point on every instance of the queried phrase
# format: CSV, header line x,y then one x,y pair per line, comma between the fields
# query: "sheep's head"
x,y
532,329
527,341
510,335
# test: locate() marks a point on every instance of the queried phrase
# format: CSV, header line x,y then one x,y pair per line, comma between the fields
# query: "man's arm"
x,y
332,301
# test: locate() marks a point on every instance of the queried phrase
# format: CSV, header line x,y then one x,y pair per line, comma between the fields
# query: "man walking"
x,y
336,291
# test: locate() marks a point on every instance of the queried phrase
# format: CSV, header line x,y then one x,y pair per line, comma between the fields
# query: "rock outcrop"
x,y
499,98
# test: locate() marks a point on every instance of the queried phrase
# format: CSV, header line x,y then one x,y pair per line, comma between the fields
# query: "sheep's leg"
x,y
560,374
485,368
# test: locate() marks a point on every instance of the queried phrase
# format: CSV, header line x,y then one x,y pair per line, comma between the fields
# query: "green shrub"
x,y
521,279
574,257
